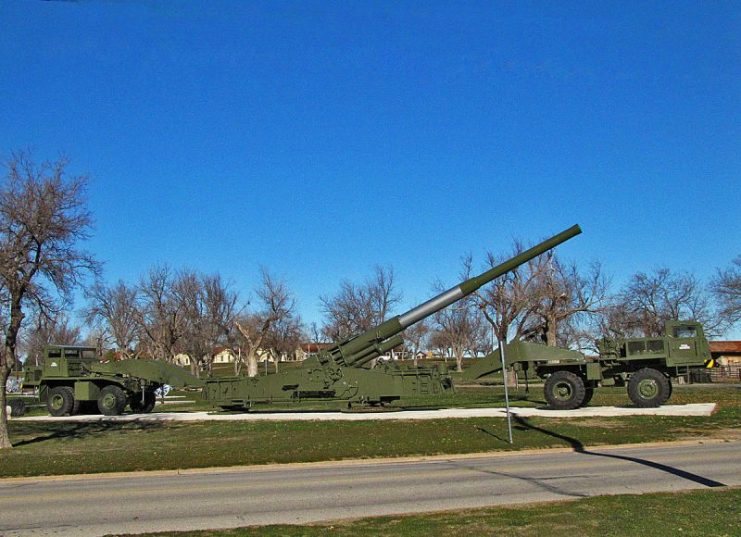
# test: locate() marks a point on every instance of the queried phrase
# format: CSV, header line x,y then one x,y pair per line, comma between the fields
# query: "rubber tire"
x,y
75,403
112,400
136,402
652,379
65,396
570,381
588,394
17,407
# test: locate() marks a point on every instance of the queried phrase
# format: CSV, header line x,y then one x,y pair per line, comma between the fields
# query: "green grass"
x,y
696,513
49,448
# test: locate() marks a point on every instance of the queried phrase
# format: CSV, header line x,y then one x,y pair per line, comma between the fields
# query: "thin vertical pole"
x,y
506,390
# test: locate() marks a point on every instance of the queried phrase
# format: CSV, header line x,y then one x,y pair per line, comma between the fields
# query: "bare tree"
x,y
209,310
47,331
510,302
359,307
649,300
460,328
188,293
115,310
565,296
317,334
161,315
417,335
275,304
438,340
43,217
726,287
284,337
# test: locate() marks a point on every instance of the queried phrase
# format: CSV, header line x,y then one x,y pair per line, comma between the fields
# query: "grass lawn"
x,y
48,448
696,513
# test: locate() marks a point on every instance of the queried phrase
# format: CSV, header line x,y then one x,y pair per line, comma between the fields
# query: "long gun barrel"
x,y
372,343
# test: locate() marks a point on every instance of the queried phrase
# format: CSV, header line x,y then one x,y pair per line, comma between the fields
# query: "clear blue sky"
x,y
321,138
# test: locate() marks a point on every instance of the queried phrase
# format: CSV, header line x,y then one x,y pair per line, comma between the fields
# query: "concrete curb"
x,y
696,409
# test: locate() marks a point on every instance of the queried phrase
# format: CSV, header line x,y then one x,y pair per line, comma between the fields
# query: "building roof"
x,y
725,346
314,347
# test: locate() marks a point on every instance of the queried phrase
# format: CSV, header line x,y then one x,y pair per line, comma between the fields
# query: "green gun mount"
x,y
341,373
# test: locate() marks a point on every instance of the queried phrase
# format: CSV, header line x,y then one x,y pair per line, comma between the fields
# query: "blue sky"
x,y
321,138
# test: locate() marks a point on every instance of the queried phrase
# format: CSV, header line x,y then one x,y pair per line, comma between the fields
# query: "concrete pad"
x,y
697,409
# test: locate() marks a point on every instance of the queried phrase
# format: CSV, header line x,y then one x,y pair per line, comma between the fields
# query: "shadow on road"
x,y
579,448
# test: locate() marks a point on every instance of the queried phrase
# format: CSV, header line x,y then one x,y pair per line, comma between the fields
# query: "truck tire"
x,y
17,407
60,401
564,390
135,402
112,400
648,388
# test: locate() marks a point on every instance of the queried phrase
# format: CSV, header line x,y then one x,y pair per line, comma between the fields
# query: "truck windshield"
x,y
685,331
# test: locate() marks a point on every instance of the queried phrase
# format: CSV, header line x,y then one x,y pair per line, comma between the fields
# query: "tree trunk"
x,y
551,332
4,436
252,364
195,369
459,360
7,361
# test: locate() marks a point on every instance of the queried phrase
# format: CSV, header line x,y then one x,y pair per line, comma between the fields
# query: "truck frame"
x,y
72,376
646,366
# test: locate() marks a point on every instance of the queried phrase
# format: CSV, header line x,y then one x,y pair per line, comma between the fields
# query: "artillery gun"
x,y
72,375
340,372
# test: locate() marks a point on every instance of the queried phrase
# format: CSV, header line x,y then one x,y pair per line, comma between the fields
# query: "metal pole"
x,y
506,390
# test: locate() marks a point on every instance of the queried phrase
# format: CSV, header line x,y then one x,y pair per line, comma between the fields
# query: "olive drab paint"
x,y
340,373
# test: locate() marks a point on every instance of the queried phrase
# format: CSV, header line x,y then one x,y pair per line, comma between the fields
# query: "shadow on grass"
x,y
79,430
578,447
492,434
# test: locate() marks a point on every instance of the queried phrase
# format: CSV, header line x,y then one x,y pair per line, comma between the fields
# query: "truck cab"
x,y
67,360
683,344
686,343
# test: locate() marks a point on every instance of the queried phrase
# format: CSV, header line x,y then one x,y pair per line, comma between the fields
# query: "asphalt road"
x,y
161,501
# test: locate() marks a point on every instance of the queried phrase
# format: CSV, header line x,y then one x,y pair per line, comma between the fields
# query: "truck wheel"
x,y
112,400
564,390
648,388
75,403
136,402
17,407
60,401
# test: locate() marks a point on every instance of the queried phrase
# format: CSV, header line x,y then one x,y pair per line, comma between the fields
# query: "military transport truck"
x,y
73,375
645,365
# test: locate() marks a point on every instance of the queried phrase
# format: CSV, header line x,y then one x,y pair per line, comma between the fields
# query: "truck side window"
x,y
685,331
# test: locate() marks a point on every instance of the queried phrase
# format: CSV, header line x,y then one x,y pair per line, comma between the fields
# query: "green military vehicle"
x,y
72,376
645,365
341,372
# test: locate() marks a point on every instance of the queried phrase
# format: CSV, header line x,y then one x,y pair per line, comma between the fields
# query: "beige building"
x,y
225,355
727,354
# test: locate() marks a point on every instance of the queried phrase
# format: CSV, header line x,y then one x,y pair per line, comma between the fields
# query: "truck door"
x,y
683,346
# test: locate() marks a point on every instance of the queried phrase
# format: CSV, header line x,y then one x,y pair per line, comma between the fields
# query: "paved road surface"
x,y
85,506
